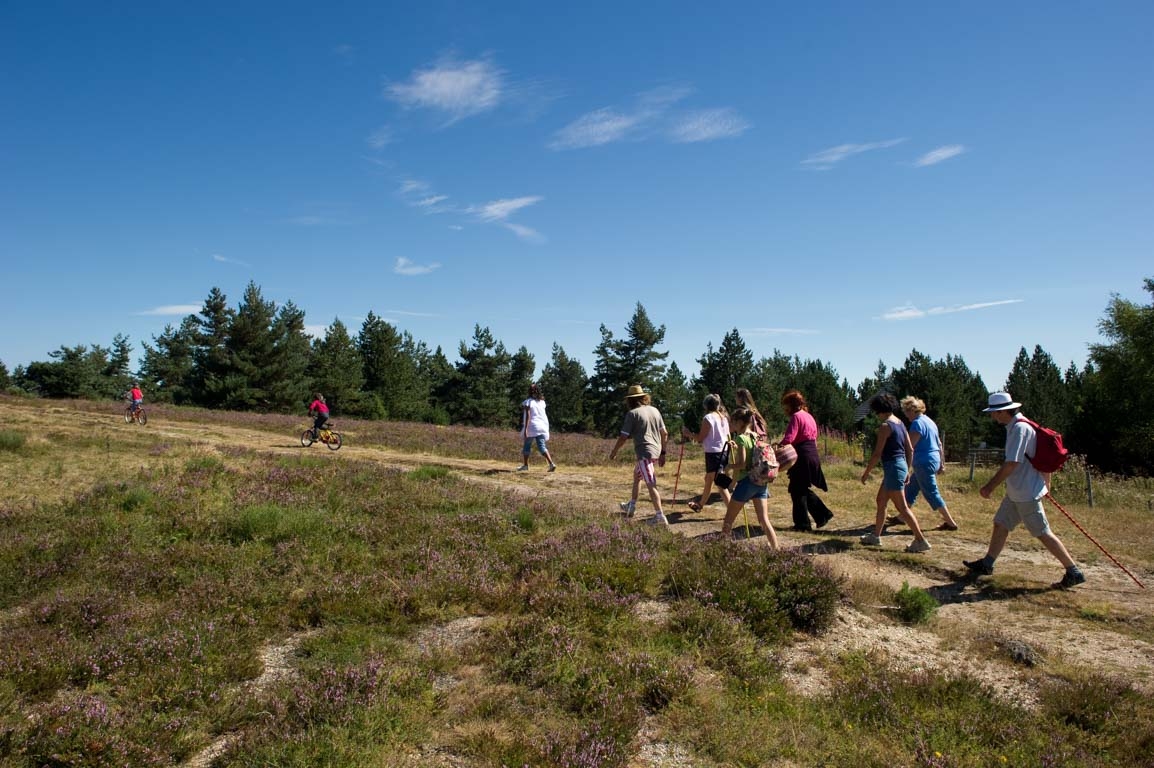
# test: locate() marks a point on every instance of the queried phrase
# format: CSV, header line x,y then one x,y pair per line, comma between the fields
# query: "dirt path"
x,y
1104,625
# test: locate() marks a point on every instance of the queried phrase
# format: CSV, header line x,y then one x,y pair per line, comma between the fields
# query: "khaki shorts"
x,y
1028,513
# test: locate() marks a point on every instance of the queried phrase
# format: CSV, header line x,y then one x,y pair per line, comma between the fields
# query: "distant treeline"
x,y
257,357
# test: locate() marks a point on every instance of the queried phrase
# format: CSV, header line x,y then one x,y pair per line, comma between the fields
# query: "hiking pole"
x,y
1091,538
677,476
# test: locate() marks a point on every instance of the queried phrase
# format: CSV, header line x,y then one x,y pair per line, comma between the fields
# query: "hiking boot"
x,y
1070,579
552,467
523,468
659,519
870,540
628,507
979,567
919,545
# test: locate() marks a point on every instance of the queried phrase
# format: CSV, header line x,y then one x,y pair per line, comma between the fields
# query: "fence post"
x,y
1089,489
973,461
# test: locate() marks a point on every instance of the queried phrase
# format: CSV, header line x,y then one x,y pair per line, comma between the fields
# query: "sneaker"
x,y
552,467
1071,579
870,540
823,522
627,507
979,567
919,545
523,468
659,519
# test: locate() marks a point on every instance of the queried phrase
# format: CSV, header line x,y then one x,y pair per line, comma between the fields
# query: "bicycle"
x,y
135,415
328,436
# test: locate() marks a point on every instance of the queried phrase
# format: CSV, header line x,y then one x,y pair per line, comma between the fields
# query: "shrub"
x,y
915,606
772,591
11,441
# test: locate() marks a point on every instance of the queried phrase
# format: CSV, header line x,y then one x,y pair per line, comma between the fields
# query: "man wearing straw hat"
x,y
644,424
1025,487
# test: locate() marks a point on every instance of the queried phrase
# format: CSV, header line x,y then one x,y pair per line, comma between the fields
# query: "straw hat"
x,y
635,390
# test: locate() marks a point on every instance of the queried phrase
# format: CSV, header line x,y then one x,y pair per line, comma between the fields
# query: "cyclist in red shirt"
x,y
136,397
320,413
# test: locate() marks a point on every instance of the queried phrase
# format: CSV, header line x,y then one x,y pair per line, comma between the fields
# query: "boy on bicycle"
x,y
136,397
320,413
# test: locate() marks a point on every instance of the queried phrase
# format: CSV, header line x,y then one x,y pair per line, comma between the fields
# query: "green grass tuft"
x,y
914,605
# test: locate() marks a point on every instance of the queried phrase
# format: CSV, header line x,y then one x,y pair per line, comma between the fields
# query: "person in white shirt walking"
x,y
1025,487
534,428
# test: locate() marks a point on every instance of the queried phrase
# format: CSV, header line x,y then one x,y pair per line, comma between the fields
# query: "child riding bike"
x,y
320,413
135,398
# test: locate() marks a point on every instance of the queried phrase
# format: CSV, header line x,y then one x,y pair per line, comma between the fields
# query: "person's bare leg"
x,y
997,541
880,519
731,510
906,514
761,507
1057,548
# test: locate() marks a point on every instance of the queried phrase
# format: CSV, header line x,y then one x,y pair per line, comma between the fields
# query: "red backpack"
x,y
1050,454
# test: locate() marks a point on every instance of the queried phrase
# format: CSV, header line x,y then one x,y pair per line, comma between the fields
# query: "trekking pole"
x,y
1091,538
745,514
677,477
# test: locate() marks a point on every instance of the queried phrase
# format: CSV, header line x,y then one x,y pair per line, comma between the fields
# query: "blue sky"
x,y
844,181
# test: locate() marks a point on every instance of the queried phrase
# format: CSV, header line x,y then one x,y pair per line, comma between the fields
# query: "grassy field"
x,y
203,591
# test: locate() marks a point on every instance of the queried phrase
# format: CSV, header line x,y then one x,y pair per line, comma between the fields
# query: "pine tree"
x,y
477,393
250,345
619,363
335,369
210,352
166,370
391,371
521,369
285,377
1116,426
563,384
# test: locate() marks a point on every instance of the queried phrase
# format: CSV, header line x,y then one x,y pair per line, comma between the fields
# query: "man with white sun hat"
x,y
1025,487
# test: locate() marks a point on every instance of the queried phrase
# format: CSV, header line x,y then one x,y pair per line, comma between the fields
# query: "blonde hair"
x,y
911,403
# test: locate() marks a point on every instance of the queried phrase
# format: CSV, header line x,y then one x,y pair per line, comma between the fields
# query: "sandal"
x,y
693,505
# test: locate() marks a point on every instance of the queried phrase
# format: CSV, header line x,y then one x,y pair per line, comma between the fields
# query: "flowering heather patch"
x,y
773,591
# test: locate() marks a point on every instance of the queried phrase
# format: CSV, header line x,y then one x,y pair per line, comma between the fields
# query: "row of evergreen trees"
x,y
258,357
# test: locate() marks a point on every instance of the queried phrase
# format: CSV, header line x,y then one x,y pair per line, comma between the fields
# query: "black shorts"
x,y
715,462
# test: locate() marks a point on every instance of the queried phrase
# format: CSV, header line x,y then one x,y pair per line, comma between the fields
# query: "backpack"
x,y
1050,454
762,463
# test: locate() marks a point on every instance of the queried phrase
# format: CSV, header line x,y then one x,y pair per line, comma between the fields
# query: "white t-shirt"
x,y
718,435
1025,483
538,421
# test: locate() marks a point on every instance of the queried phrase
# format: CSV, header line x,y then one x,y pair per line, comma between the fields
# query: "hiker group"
x,y
741,462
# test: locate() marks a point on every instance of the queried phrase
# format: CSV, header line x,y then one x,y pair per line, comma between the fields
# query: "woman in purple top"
x,y
896,453
801,433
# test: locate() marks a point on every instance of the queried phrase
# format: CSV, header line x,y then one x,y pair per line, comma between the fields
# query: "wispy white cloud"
x,y
414,186
911,312
420,195
653,114
406,267
316,331
381,137
499,210
708,125
594,129
172,310
936,156
344,51
828,158
527,234
458,89
226,260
